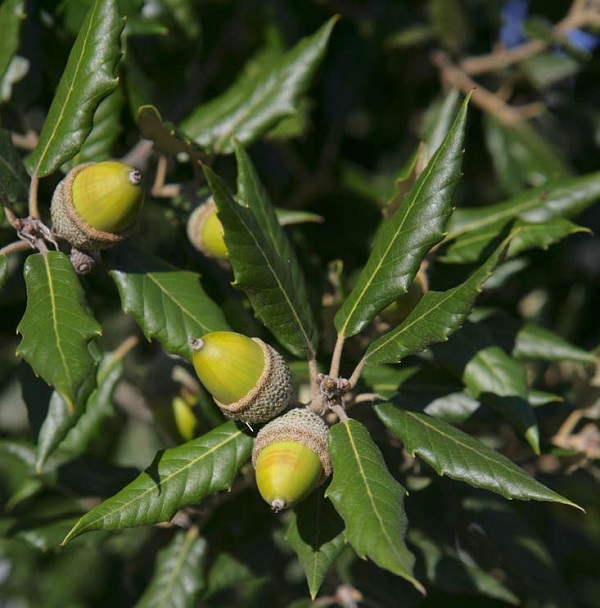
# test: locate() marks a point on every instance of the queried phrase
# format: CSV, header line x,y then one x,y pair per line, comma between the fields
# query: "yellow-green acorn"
x,y
96,203
291,458
205,231
248,379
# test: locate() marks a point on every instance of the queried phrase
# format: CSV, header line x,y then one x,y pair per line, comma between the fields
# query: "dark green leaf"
x,y
99,144
88,78
169,304
178,577
369,499
178,477
438,120
565,198
435,317
14,181
12,12
316,534
521,157
257,102
56,312
3,269
226,572
492,376
261,257
534,342
454,453
403,241
447,571
450,23
166,137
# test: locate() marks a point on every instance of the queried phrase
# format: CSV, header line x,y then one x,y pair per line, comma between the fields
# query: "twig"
x,y
34,210
313,370
160,189
578,16
357,372
14,247
336,358
11,216
454,76
25,142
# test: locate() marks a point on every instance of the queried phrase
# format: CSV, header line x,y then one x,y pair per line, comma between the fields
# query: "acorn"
x,y
96,203
248,379
291,458
205,231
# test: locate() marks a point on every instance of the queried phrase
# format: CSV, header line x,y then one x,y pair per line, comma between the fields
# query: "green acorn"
x,y
248,379
205,231
291,458
96,203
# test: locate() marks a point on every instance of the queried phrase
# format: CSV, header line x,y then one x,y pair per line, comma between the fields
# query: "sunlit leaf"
x,y
169,304
178,477
56,309
403,240
459,456
88,78
369,500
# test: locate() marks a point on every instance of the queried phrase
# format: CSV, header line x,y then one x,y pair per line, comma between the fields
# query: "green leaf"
x,y
534,342
263,261
88,78
256,102
57,326
166,137
448,571
168,304
99,144
437,315
522,158
492,376
179,576
12,13
14,181
178,477
455,454
403,241
564,198
3,269
316,534
369,499
75,432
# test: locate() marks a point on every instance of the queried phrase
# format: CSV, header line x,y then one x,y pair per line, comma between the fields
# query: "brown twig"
x,y
579,15
14,247
336,358
34,210
25,142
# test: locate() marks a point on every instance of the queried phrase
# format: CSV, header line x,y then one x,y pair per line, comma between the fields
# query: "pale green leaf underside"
x,y
168,304
455,454
369,500
256,103
178,477
404,239
56,309
265,276
88,78
178,574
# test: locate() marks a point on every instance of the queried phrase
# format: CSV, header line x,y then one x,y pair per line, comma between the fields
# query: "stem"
x,y
577,16
340,412
10,215
357,372
337,356
34,210
14,247
454,76
313,368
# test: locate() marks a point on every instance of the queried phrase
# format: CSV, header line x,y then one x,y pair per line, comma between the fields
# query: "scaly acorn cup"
x,y
248,379
95,204
205,231
291,458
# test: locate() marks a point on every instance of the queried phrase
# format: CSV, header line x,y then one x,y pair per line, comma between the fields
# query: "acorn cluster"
x,y
250,381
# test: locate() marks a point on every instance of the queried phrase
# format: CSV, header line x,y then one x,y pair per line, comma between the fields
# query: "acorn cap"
x,y
248,379
205,231
291,457
95,204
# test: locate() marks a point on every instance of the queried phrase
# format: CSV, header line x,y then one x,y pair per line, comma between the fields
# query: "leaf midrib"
x,y
71,88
